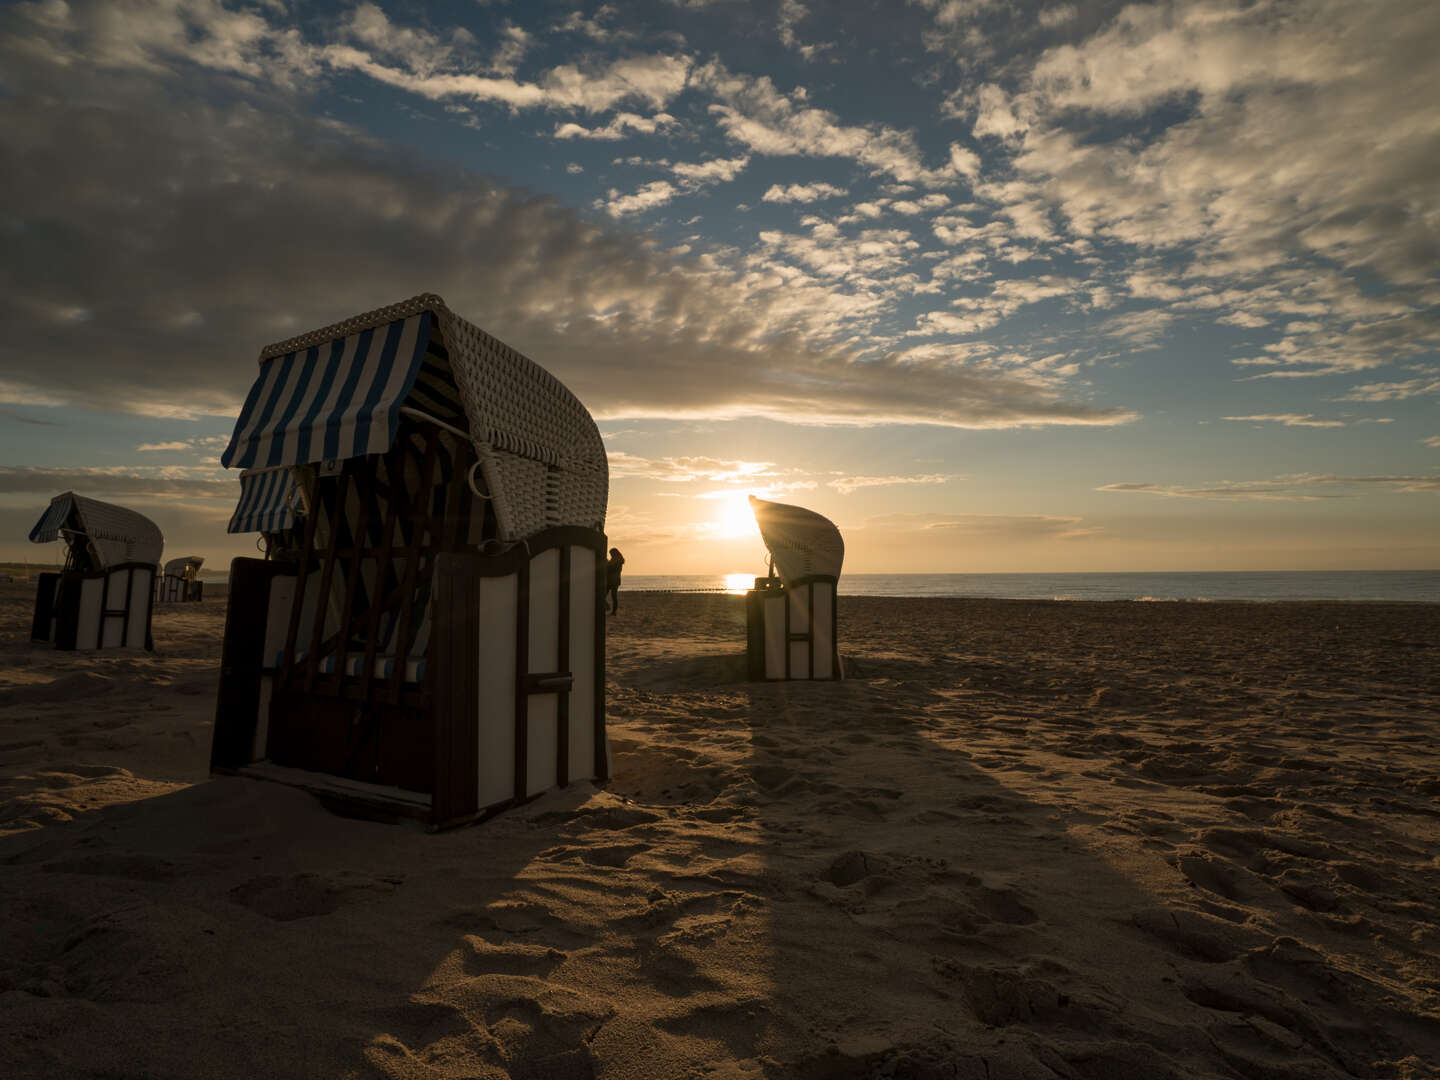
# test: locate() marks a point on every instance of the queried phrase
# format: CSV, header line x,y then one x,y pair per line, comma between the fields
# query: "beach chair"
x,y
424,635
179,582
104,596
790,615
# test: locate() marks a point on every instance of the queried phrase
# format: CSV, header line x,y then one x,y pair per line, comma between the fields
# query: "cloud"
x,y
756,114
1003,299
801,193
691,177
647,197
1392,391
162,446
650,80
21,418
195,482
830,252
200,197
964,160
790,14
162,38
715,171
1282,152
1140,329
1057,16
1018,528
1250,490
1293,488
594,27
1291,420
1433,441
619,127
684,470
847,485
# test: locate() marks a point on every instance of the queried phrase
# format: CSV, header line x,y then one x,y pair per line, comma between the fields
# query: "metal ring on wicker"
x,y
474,489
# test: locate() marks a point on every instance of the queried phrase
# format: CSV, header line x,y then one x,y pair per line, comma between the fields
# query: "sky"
x,y
996,286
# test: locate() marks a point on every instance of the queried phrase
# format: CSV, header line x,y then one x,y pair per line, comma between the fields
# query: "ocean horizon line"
x,y
1374,586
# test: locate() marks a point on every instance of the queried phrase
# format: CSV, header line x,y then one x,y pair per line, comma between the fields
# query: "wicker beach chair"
x,y
791,619
425,635
179,582
104,596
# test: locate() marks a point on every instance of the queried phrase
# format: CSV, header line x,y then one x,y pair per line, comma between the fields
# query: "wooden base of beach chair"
x,y
510,703
792,631
99,609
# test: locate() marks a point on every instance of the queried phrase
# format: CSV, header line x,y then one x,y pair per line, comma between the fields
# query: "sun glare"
x,y
738,583
733,518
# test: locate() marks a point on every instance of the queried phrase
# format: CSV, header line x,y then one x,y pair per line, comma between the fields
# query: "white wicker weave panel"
x,y
117,534
523,481
801,541
527,415
353,325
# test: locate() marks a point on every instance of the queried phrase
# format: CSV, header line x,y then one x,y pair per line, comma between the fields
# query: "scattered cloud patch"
x,y
801,193
1290,420
1392,391
620,126
684,470
847,485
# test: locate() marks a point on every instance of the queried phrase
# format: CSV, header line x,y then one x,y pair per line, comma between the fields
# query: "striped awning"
x,y
48,527
330,401
264,502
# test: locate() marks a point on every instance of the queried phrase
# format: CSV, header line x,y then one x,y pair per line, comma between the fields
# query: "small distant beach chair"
x,y
104,596
179,582
790,616
424,636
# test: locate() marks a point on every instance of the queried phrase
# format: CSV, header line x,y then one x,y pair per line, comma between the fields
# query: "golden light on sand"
x,y
739,583
733,517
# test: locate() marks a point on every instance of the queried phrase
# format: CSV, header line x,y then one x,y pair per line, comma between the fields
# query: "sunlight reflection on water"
x,y
739,584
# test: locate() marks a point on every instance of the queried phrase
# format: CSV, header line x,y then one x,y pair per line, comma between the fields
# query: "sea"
x,y
1258,586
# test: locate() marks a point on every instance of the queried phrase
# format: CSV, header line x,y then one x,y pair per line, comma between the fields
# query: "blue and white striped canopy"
x,y
264,502
48,527
332,401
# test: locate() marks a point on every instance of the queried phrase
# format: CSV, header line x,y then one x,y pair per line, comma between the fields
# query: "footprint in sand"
x,y
1220,877
1003,906
1193,935
301,896
510,958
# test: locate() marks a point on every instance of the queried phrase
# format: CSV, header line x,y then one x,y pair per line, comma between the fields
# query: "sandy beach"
x,y
1021,840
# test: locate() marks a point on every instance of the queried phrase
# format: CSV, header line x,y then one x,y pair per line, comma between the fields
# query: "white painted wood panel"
x,y
775,637
142,588
495,674
799,624
87,634
824,630
112,627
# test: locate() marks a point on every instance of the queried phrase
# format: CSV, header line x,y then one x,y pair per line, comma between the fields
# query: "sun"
x,y
733,518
